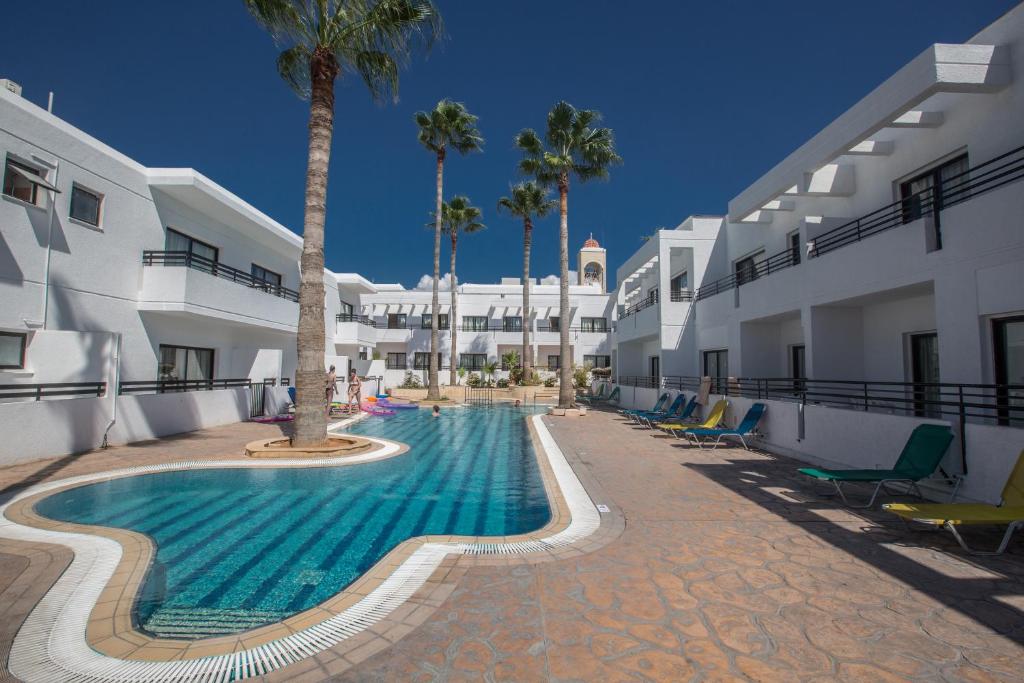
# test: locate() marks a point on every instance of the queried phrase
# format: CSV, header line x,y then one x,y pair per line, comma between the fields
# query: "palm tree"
x,y
528,201
573,148
449,124
457,216
321,41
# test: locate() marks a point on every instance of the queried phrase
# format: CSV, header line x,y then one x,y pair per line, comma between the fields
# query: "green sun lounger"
x,y
920,458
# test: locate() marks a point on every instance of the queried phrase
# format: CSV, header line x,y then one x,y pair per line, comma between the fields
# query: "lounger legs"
x,y
847,503
998,551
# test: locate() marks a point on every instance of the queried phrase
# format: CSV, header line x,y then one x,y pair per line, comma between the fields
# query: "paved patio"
x,y
728,568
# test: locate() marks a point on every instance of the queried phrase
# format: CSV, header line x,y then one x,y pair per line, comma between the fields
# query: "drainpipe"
x,y
115,389
49,246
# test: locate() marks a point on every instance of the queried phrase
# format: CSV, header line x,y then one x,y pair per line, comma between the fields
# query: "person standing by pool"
x,y
332,387
355,390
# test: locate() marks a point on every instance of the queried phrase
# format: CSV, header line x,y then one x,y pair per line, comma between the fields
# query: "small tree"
x,y
490,368
461,372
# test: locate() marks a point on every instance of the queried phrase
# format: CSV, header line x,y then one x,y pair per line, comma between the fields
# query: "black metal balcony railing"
x,y
161,386
680,295
1003,169
784,259
211,267
640,381
353,318
648,301
39,392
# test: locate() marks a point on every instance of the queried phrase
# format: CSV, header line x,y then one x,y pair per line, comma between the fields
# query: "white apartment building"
x,y
887,248
137,302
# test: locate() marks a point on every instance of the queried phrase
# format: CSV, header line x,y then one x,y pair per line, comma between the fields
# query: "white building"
x,y
887,248
115,274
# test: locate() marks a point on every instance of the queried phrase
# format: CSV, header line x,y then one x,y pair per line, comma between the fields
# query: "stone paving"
x,y
718,566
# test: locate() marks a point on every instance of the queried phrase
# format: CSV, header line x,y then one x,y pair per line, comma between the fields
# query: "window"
x,y
396,321
746,268
554,324
184,363
1008,335
177,241
472,361
347,309
512,323
22,181
798,366
474,323
924,361
680,283
85,205
652,295
716,366
794,248
362,354
395,361
427,320
593,325
930,189
12,350
421,360
598,361
268,276
554,361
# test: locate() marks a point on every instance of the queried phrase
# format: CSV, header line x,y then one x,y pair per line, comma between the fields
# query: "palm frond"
x,y
573,147
449,125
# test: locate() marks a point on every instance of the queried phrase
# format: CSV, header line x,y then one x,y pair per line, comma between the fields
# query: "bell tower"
x,y
592,264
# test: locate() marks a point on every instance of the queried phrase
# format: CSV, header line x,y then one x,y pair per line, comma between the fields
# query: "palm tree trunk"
x,y
527,358
310,375
453,319
565,391
433,390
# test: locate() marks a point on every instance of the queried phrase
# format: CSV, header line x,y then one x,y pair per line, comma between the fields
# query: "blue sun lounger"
x,y
657,406
677,403
681,414
702,437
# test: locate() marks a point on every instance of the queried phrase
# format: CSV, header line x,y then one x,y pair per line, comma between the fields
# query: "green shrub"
x,y
581,375
503,383
411,381
550,381
473,380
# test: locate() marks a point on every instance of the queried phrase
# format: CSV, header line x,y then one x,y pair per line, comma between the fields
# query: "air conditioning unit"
x,y
8,84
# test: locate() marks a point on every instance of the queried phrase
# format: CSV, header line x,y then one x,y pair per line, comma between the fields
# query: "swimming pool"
x,y
241,548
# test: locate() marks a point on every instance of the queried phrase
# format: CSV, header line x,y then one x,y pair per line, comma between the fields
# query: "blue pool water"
x,y
240,548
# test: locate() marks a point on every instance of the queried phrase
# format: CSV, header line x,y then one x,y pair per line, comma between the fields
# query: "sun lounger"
x,y
714,417
657,406
677,403
744,429
920,458
951,515
614,396
596,397
682,413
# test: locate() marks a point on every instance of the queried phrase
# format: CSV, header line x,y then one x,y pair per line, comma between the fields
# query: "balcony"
x,y
926,204
180,283
357,330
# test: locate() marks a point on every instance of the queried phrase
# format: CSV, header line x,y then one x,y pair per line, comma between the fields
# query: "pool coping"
x,y
94,597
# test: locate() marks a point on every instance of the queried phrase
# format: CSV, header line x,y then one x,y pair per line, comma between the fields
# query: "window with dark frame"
x,y
472,361
180,242
1008,338
554,324
268,276
347,309
395,361
798,366
512,323
746,268
474,323
680,283
926,192
17,185
597,361
184,363
593,325
554,361
12,350
421,360
794,248
716,366
397,321
427,320
85,205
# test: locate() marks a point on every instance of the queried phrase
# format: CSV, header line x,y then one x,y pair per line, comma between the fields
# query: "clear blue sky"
x,y
703,97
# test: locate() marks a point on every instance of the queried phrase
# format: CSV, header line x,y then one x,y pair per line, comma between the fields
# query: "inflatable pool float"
x,y
375,410
399,406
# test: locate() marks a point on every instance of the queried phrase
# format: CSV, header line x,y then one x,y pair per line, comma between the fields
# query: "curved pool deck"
x,y
83,628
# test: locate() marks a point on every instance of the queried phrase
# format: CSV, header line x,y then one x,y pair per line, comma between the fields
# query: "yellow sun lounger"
x,y
714,418
952,515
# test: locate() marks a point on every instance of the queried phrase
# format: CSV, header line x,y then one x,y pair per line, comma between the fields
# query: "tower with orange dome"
x,y
592,264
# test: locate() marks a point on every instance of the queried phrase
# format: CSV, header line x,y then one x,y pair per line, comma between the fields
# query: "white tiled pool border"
x,y
52,646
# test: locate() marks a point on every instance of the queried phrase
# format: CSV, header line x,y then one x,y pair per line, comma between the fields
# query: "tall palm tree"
x,y
572,146
449,124
457,217
528,201
321,41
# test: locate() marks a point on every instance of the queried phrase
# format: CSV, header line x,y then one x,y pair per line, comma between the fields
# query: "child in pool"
x,y
436,412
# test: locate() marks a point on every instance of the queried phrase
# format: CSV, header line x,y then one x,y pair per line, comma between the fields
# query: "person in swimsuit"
x,y
332,387
355,390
